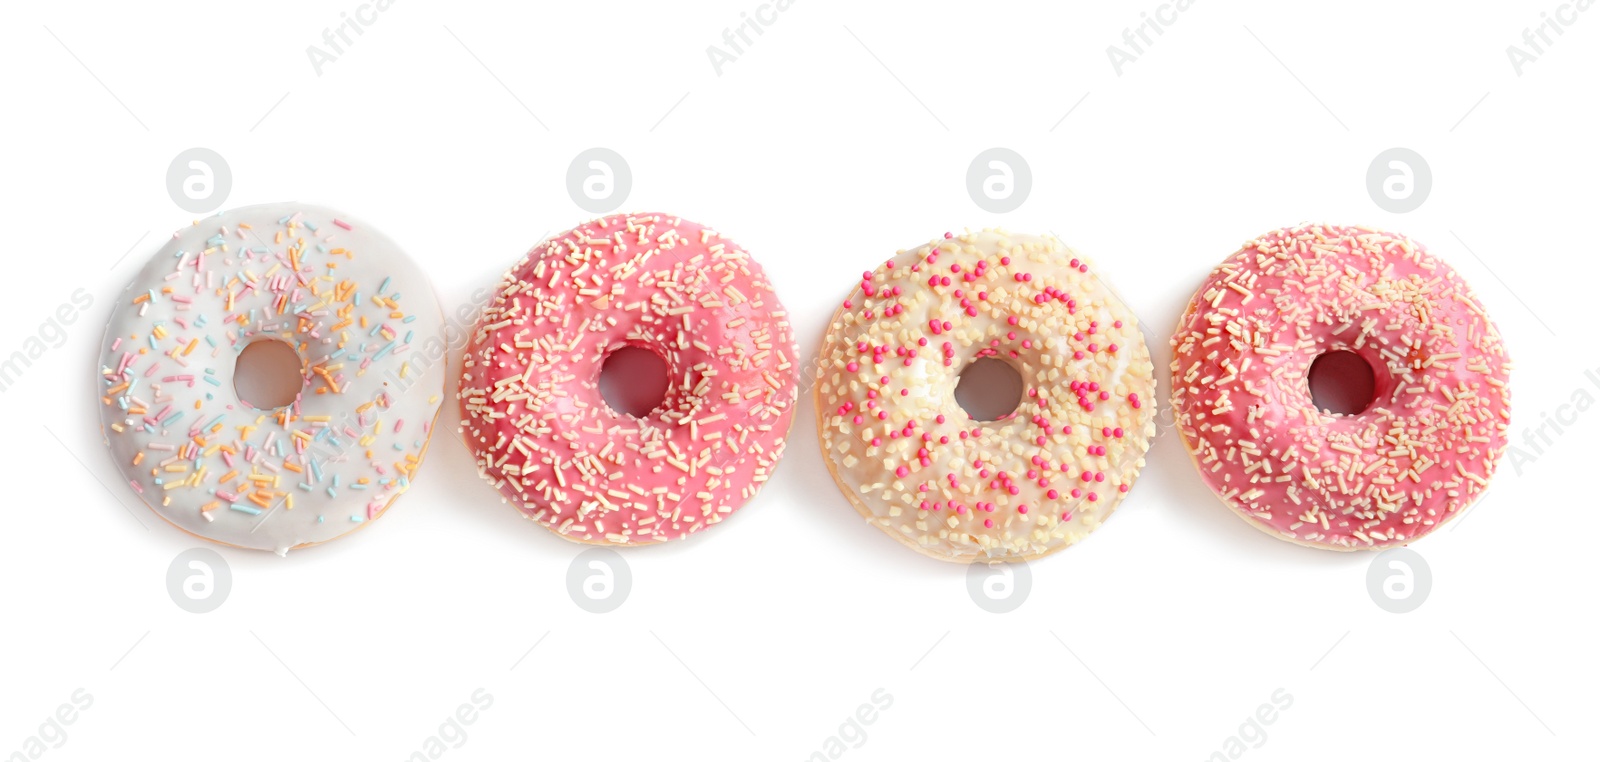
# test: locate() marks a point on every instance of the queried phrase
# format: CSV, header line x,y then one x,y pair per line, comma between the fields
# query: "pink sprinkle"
x,y
343,224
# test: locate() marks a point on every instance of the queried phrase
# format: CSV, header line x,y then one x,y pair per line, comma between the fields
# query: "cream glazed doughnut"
x,y
348,304
530,402
911,460
1427,444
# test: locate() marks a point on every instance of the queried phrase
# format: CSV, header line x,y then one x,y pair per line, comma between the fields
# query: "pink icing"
x,y
1424,449
530,402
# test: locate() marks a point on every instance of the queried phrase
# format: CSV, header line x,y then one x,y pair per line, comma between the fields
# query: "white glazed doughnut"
x,y
914,463
354,309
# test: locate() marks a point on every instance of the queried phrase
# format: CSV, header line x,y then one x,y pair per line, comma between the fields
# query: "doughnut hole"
x,y
633,381
989,389
1341,382
268,374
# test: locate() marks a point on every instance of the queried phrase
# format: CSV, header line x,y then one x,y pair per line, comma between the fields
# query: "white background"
x,y
1154,639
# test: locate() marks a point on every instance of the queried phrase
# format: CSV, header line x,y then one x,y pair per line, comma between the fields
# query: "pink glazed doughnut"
x,y
530,402
1420,453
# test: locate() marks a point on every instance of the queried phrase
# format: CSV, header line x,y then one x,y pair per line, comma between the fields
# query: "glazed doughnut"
x,y
912,461
530,402
348,303
1423,450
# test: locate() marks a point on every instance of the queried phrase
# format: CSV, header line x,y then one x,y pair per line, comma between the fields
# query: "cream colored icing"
x,y
910,458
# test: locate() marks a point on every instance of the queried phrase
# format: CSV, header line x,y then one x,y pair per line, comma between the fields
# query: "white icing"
x,y
351,459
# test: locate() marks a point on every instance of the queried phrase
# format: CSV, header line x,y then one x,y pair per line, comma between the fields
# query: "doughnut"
x,y
917,466
332,291
1420,453
531,408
